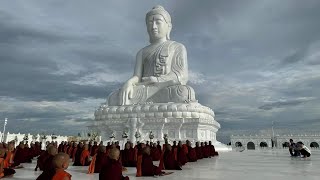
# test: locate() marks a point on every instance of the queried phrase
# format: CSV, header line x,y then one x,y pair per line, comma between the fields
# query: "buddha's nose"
x,y
154,25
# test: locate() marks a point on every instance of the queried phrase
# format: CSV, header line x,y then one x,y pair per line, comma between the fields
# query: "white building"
x,y
279,141
31,138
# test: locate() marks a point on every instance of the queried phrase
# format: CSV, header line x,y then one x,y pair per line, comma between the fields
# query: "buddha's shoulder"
x,y
169,44
176,44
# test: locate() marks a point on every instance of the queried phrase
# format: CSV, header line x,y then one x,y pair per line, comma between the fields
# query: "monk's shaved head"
x,y
61,160
114,153
52,150
102,149
146,150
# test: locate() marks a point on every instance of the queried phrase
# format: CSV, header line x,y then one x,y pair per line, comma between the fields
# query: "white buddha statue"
x,y
161,69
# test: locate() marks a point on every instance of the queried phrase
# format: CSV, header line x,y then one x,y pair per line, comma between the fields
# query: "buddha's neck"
x,y
159,41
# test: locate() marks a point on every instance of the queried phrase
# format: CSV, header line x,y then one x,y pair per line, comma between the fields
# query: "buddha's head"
x,y
158,22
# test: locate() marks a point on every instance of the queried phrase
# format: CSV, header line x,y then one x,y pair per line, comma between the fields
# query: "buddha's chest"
x,y
156,63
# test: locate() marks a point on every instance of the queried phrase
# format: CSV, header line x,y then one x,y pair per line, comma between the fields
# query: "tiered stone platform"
x,y
191,121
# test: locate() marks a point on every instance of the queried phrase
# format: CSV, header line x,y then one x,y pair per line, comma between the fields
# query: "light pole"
x,y
272,135
4,129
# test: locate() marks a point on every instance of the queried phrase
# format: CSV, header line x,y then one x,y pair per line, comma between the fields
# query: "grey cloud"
x,y
283,104
299,55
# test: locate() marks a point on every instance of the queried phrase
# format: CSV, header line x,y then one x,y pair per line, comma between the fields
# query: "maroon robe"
x,y
112,170
213,151
94,149
101,160
77,156
199,152
60,148
192,154
48,169
127,158
20,156
169,162
181,156
159,148
147,167
205,151
155,154
48,163
42,159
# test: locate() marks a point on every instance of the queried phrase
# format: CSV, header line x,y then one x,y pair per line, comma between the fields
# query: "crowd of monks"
x,y
109,161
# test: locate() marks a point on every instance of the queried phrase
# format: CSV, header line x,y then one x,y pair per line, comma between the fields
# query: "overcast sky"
x,y
252,62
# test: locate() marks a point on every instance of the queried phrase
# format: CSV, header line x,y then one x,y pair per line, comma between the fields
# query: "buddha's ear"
x,y
169,30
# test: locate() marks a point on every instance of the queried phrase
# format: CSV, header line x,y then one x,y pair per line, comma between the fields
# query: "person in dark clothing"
x,y
77,156
112,170
169,160
293,149
304,151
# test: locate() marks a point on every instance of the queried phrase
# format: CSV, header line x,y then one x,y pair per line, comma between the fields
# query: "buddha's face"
x,y
157,27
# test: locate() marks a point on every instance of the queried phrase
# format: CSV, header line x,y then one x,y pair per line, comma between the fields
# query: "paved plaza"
x,y
259,164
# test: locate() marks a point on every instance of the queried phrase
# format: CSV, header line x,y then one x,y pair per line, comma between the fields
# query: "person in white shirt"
x,y
304,151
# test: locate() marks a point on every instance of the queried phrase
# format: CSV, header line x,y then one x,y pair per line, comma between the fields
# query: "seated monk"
x,y
159,146
42,158
174,145
117,145
60,147
28,153
33,150
69,149
19,156
161,70
48,163
94,149
213,151
198,151
205,150
8,161
4,171
98,160
192,155
84,159
147,167
112,170
128,156
60,163
38,148
169,159
77,155
155,153
66,146
182,154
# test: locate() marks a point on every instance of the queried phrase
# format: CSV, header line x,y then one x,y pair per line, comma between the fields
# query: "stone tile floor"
x,y
259,164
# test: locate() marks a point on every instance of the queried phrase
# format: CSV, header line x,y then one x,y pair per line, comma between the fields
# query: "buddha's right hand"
x,y
126,93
